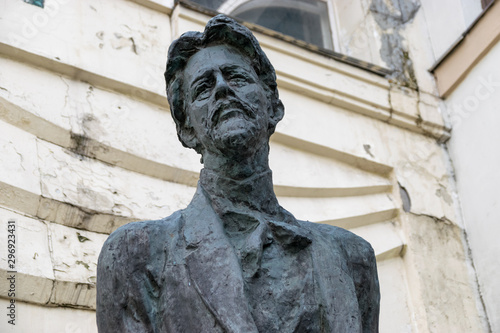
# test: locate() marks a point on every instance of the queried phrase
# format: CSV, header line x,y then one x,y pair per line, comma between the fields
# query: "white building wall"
x,y
474,108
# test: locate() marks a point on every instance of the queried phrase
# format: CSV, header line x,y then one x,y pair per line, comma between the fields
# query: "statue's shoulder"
x,y
357,250
150,227
142,236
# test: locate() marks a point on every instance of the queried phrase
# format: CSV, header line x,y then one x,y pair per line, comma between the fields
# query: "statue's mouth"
x,y
229,109
230,113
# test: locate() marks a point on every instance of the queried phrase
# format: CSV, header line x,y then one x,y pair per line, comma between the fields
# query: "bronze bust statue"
x,y
234,260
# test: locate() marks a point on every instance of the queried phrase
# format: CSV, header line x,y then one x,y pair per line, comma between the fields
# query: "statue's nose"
x,y
222,89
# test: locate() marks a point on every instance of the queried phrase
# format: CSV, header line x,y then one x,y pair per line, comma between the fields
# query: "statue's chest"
x,y
288,293
283,293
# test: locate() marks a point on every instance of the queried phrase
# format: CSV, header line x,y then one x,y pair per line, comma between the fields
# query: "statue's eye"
x,y
201,91
238,79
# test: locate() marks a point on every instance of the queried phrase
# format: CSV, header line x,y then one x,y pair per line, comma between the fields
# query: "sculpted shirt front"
x,y
222,265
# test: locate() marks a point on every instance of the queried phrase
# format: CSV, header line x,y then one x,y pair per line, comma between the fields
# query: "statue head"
x,y
222,89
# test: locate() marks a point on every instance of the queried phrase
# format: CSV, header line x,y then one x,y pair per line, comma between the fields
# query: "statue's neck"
x,y
236,165
245,185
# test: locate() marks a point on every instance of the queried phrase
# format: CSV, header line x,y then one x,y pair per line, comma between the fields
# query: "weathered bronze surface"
x,y
234,260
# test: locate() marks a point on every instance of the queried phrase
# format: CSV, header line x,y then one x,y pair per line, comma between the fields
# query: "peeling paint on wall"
x,y
391,17
405,198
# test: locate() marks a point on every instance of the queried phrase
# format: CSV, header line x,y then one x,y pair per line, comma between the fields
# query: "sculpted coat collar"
x,y
254,199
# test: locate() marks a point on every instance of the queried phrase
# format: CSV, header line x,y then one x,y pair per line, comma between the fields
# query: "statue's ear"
x,y
278,112
185,131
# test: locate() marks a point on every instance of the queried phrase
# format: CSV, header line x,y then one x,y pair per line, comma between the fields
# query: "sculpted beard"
x,y
234,124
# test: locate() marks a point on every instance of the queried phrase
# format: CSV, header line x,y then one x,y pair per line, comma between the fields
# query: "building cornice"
x,y
468,50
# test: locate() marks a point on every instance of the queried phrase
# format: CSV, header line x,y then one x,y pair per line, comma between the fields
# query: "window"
x,y
305,20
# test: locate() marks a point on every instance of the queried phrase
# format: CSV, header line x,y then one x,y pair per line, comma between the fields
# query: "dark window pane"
x,y
289,21
210,4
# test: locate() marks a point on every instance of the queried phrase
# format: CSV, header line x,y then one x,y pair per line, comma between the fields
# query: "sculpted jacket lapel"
x,y
213,267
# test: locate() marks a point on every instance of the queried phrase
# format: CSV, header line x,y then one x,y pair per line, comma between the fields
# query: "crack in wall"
x,y
391,108
436,219
465,241
66,96
51,253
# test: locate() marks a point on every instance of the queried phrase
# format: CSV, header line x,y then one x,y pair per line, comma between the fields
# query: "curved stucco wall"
x,y
90,146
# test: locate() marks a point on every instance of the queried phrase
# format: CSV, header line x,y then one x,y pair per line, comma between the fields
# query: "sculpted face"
x,y
229,109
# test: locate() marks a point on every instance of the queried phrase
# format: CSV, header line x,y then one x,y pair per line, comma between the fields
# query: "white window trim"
x,y
334,28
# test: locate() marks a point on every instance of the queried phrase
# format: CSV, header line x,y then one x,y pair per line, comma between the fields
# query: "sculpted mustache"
x,y
232,103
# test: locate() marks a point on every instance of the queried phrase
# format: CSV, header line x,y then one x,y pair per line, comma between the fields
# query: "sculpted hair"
x,y
220,30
